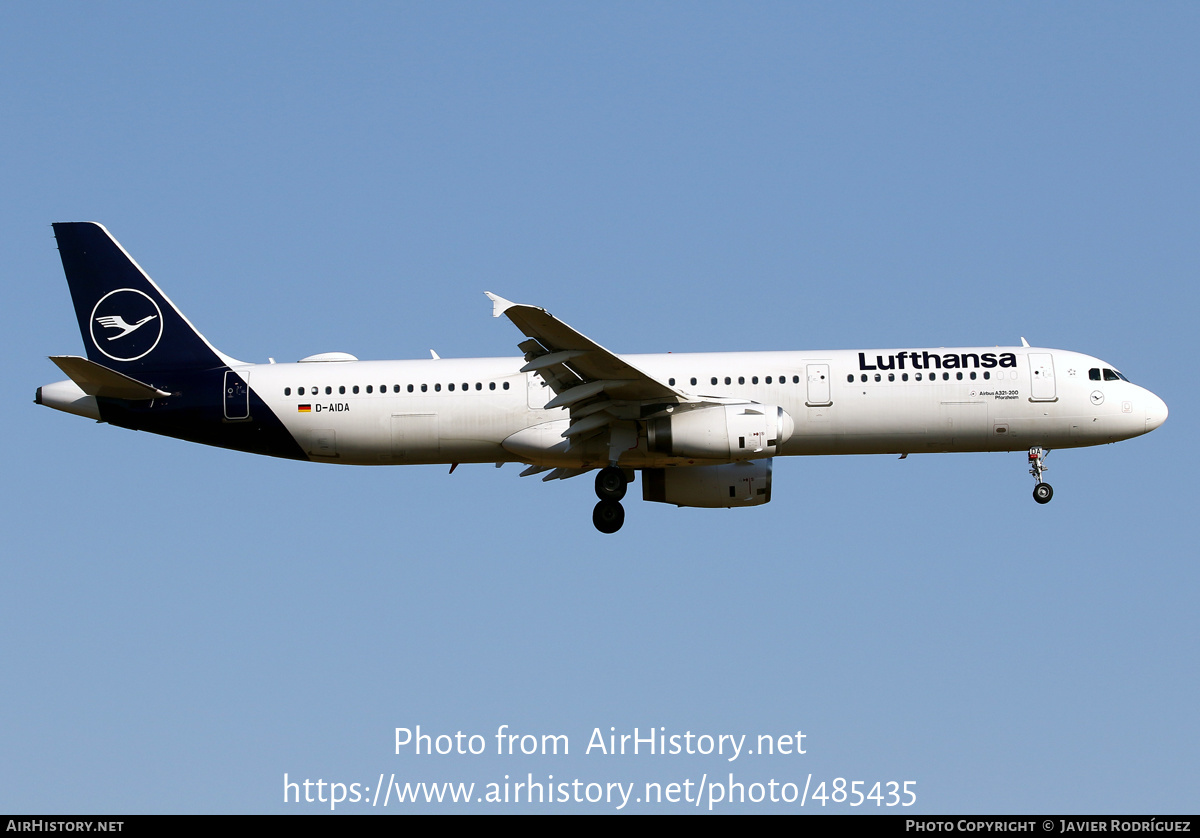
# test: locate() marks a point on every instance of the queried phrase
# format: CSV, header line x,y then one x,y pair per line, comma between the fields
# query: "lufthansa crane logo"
x,y
119,323
126,324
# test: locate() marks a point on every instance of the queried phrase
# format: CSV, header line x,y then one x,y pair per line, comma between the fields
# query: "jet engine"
x,y
721,432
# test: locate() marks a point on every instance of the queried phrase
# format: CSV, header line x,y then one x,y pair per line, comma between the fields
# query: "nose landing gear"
x,y
609,515
1042,492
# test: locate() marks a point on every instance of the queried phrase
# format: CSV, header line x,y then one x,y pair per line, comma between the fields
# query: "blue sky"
x,y
182,626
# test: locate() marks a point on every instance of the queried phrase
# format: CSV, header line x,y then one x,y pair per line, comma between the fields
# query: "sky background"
x,y
181,626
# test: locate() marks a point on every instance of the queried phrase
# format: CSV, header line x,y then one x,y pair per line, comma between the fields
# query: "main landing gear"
x,y
609,515
1042,492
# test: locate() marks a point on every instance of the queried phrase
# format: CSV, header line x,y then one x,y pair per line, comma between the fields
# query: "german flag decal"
x,y
304,408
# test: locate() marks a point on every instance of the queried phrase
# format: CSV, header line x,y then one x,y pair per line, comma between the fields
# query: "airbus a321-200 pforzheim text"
x,y
701,428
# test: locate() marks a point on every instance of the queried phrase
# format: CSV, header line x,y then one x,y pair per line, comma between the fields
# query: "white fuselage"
x,y
841,402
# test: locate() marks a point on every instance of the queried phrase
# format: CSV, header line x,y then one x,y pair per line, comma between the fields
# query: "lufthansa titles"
x,y
933,361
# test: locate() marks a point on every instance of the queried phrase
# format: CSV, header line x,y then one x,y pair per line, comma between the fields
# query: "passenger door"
x,y
1041,377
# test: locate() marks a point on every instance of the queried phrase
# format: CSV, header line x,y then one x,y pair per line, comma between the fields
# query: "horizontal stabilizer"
x,y
97,380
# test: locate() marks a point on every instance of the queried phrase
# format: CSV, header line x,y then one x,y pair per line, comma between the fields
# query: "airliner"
x,y
702,429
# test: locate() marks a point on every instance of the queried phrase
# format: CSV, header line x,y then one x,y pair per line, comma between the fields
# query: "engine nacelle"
x,y
747,483
722,432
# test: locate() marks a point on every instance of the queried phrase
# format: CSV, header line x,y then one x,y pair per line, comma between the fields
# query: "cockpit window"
x,y
1111,375
1094,373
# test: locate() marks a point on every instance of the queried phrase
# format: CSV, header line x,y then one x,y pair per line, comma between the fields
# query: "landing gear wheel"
x,y
1037,465
611,484
608,516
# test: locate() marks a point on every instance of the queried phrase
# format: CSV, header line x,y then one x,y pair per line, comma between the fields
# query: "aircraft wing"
x,y
605,394
593,369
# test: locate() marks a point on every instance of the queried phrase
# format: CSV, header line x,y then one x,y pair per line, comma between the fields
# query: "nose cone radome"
x,y
1156,412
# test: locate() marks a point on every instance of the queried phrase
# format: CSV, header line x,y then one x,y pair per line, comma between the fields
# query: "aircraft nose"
x,y
1156,412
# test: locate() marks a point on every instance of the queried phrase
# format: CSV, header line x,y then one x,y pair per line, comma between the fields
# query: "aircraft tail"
x,y
127,323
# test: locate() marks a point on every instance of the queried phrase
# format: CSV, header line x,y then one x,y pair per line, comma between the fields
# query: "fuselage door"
x,y
237,395
1041,377
539,392
818,385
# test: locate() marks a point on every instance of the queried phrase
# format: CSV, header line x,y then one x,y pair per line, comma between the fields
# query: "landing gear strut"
x,y
1042,492
609,515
